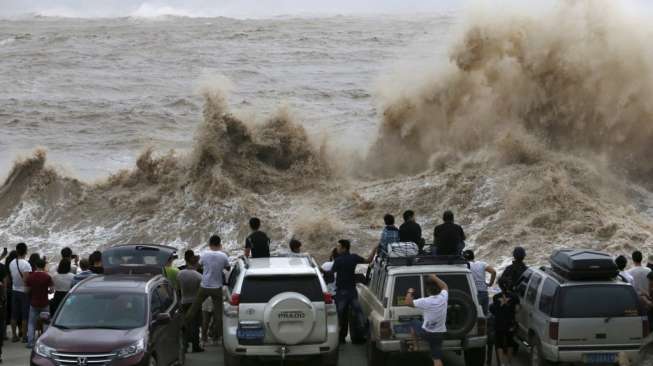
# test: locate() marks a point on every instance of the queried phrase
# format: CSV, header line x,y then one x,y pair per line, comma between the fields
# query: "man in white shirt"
x,y
435,314
20,301
479,269
639,273
213,262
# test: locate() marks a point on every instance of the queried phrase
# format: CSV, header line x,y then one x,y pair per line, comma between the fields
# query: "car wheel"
x,y
474,356
231,360
537,359
375,357
181,357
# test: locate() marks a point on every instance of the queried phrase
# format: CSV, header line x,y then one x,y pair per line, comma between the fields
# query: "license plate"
x,y
605,358
250,335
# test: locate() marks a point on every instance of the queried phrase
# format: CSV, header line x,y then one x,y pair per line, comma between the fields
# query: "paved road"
x,y
350,355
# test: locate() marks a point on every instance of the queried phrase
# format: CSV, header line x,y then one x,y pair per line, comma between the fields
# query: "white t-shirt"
x,y
435,312
478,272
213,263
627,277
640,282
16,278
62,282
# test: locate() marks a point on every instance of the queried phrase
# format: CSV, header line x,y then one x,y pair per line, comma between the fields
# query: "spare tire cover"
x,y
290,317
461,314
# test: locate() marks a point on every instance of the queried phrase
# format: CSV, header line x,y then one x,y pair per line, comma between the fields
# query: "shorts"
x,y
435,343
504,339
19,306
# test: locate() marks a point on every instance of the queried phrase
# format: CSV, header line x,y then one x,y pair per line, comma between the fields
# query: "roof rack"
x,y
423,258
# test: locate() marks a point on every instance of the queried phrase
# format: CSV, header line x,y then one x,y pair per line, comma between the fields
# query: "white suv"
x,y
279,307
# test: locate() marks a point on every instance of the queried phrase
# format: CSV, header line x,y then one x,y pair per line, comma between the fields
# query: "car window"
x,y
531,293
383,281
374,281
233,277
155,303
164,296
547,296
597,301
102,310
259,289
455,281
402,284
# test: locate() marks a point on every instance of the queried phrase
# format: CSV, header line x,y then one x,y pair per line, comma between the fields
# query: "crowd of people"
x,y
32,288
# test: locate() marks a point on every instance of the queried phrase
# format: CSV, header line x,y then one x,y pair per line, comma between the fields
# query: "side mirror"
x,y
162,319
45,317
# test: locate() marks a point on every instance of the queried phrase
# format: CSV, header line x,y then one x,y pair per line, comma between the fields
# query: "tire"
x,y
330,359
231,360
375,357
461,315
181,352
474,356
536,358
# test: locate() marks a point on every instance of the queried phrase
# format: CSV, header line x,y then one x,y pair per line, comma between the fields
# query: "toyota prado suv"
x,y
391,320
279,308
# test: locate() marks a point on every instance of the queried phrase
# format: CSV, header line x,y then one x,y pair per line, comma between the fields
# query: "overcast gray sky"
x,y
112,8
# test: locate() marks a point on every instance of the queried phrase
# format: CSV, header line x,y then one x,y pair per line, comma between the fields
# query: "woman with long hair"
x,y
63,280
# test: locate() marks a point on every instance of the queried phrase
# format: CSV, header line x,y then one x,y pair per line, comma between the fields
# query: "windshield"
x,y
106,310
595,301
262,289
135,256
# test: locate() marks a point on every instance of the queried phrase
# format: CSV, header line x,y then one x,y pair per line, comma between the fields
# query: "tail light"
x,y
328,298
645,327
553,330
386,330
481,326
235,299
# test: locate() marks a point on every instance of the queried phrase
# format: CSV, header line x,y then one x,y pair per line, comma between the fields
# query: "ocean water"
x,y
534,127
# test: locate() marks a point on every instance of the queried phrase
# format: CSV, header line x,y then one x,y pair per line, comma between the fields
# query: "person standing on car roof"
x,y
639,273
448,238
344,268
390,233
410,231
189,281
621,263
513,272
214,262
40,285
257,244
504,308
435,314
479,269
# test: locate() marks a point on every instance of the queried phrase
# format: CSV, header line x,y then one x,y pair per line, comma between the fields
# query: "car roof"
x,y
440,268
116,283
280,266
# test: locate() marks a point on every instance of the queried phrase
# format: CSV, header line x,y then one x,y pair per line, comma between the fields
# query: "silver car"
x,y
590,322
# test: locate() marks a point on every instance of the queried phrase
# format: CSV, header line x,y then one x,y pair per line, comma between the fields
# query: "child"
x,y
504,308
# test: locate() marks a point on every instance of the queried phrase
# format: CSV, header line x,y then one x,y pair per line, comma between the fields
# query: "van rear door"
x,y
598,315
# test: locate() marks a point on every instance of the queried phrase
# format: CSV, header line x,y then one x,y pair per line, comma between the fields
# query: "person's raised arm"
x,y
493,275
441,284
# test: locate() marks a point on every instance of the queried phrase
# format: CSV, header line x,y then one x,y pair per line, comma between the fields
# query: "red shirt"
x,y
39,284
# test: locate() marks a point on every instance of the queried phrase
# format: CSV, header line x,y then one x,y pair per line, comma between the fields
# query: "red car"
x,y
126,318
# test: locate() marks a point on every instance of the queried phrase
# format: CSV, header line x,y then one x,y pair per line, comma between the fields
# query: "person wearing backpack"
x,y
504,309
513,272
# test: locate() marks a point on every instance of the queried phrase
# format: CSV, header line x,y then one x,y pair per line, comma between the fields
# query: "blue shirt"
x,y
389,235
344,266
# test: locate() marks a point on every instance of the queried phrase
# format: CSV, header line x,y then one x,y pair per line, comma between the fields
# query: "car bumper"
x,y
139,360
400,345
560,354
232,346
